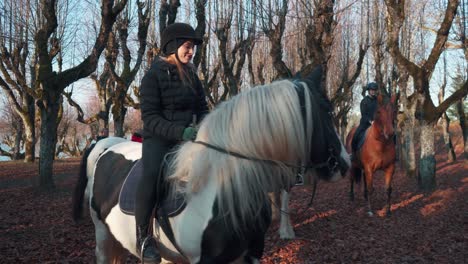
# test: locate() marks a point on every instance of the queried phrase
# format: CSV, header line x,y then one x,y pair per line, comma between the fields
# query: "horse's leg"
x,y
119,254
314,189
351,184
275,201
108,250
368,189
286,230
365,193
255,251
388,185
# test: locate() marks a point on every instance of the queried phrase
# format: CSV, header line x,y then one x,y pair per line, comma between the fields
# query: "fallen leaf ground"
x,y
36,227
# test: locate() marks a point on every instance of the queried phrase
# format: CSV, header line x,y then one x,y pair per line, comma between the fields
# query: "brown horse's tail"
x,y
79,192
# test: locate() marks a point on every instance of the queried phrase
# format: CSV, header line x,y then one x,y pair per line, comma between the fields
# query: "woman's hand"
x,y
190,133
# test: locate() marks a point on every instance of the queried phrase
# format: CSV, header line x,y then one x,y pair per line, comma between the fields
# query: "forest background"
x,y
70,69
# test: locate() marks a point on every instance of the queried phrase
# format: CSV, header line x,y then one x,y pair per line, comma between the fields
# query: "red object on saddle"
x,y
137,138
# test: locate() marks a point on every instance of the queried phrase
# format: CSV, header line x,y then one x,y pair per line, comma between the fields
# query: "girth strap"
x,y
163,221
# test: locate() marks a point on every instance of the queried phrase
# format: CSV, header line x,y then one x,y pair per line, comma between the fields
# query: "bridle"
x,y
331,163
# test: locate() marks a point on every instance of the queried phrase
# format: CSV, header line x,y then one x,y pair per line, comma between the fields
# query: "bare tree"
x,y
240,37
444,119
12,132
273,24
426,112
208,67
461,37
121,98
460,82
345,66
70,141
17,70
200,14
112,88
167,13
406,120
50,84
319,35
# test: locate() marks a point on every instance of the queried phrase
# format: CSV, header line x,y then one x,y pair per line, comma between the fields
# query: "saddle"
x,y
360,139
168,207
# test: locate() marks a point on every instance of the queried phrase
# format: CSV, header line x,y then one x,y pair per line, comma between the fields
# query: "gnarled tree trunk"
x,y
427,163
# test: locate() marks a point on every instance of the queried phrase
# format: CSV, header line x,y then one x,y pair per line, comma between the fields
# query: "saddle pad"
x,y
128,191
127,195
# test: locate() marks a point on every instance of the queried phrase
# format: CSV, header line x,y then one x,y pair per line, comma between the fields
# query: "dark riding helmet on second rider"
x,y
372,86
175,35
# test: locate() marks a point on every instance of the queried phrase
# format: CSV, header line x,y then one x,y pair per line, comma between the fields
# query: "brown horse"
x,y
377,152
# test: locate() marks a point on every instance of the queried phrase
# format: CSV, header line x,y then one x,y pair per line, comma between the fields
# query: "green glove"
x,y
190,133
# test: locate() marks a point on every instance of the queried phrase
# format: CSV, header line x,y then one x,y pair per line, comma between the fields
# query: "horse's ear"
x,y
316,75
380,99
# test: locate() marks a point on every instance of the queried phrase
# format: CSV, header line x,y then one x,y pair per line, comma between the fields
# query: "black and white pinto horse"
x,y
253,144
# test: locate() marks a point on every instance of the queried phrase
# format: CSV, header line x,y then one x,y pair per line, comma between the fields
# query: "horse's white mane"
x,y
264,122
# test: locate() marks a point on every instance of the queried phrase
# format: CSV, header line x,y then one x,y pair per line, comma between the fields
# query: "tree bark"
x,y
18,140
119,111
445,120
408,149
463,125
49,116
445,123
274,32
427,164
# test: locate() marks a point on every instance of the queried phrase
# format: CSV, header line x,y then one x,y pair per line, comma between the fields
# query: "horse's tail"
x,y
79,192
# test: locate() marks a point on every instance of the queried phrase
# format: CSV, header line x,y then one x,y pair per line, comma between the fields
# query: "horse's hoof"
x,y
369,213
287,233
351,198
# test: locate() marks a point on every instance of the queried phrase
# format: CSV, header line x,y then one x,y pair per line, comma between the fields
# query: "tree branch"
x,y
457,95
79,111
442,35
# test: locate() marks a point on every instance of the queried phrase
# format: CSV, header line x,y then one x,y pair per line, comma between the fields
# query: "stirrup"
x,y
299,180
144,246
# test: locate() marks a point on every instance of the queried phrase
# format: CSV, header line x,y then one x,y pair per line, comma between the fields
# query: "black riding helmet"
x,y
372,86
175,35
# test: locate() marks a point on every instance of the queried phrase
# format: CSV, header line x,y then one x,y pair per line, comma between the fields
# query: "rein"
x,y
331,162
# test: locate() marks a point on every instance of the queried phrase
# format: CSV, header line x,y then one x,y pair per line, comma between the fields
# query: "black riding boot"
x,y
150,254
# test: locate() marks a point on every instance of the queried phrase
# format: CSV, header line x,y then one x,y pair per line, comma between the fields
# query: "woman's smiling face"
x,y
185,51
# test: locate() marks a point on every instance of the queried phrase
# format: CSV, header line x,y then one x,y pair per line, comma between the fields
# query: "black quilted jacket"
x,y
368,107
167,105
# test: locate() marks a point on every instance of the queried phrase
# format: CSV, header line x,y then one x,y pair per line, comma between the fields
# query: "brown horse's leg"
x,y
314,189
365,192
351,184
369,190
388,185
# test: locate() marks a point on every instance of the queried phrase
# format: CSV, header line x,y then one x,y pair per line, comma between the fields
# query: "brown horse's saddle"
x,y
361,139
169,207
